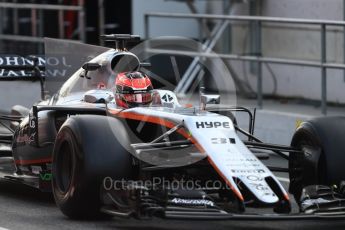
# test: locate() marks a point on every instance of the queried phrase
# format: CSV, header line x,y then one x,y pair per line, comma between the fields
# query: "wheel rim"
x,y
297,171
64,168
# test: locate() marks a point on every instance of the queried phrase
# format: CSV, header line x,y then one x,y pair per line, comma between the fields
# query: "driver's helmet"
x,y
133,89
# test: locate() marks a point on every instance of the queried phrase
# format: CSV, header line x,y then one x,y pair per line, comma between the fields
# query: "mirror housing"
x,y
89,66
98,96
208,99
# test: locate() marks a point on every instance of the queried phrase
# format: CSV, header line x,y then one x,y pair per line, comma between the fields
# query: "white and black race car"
x,y
165,159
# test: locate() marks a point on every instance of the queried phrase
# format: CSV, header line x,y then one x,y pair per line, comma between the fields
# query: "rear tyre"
x,y
85,152
322,162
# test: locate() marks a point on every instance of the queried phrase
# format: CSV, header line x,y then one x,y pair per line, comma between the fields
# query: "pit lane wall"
x,y
292,42
278,40
295,42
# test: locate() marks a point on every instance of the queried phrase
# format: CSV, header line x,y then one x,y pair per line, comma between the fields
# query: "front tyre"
x,y
322,141
85,152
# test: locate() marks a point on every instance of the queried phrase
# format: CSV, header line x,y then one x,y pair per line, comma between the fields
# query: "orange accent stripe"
x,y
188,105
150,119
37,161
169,124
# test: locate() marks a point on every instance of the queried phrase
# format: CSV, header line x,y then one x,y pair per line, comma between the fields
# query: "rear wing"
x,y
30,69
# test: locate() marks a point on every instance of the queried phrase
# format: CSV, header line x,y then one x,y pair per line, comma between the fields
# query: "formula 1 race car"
x,y
165,159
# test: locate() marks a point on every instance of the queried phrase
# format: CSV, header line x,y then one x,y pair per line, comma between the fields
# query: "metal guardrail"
x,y
322,64
39,6
34,7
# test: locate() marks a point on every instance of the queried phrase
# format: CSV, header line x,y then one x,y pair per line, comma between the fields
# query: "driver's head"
x,y
133,89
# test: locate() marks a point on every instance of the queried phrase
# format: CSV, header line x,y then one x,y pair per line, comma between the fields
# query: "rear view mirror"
x,y
98,96
89,66
208,99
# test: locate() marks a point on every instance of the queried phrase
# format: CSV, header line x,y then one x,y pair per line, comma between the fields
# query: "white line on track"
x,y
1,228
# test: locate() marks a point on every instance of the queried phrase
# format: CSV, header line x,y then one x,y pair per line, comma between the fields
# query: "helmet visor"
x,y
138,98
